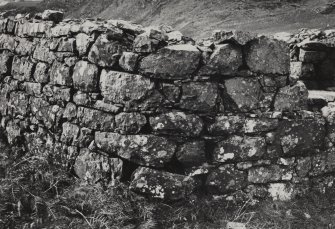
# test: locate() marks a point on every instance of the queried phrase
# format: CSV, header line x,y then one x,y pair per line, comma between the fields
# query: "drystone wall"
x,y
115,100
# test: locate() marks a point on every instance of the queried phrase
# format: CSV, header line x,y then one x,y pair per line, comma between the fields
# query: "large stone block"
x,y
92,167
172,62
124,88
256,125
224,125
7,42
42,52
237,148
83,42
177,123
162,185
226,179
295,136
85,76
24,46
292,98
130,123
95,120
312,56
199,97
60,74
70,133
243,94
192,154
41,74
105,51
57,93
146,150
268,56
18,103
5,62
225,60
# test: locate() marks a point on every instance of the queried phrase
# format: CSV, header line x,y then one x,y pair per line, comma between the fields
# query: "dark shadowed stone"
x,y
93,167
268,56
225,60
129,61
172,62
295,136
226,125
312,46
130,123
199,97
240,148
192,154
242,94
85,138
66,45
226,179
124,88
272,83
256,125
85,76
177,123
52,15
162,185
105,52
18,103
60,74
146,150
323,163
312,56
95,120
41,74
5,62
300,70
292,98
171,92
263,175
22,68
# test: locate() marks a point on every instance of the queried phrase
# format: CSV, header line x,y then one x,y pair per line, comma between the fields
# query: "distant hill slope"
x,y
198,18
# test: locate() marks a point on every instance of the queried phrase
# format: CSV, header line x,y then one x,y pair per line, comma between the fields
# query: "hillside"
x,y
198,18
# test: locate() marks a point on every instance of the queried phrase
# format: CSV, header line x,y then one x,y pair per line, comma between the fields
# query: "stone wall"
x,y
111,98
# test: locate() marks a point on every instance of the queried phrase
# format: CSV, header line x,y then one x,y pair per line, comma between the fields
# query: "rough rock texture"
x,y
224,115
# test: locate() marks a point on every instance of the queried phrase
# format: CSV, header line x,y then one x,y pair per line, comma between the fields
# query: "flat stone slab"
x,y
329,96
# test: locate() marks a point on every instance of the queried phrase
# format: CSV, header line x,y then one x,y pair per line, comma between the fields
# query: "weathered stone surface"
x,y
199,97
24,46
149,41
225,60
70,111
268,56
52,15
22,68
147,150
256,125
70,133
242,94
240,37
5,62
172,62
95,120
57,93
130,123
32,88
311,56
106,107
296,137
281,192
224,125
66,45
105,51
85,76
7,42
60,74
177,123
41,73
292,98
129,61
83,42
192,154
162,185
42,52
324,163
18,103
92,167
263,175
124,88
13,131
239,148
226,179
